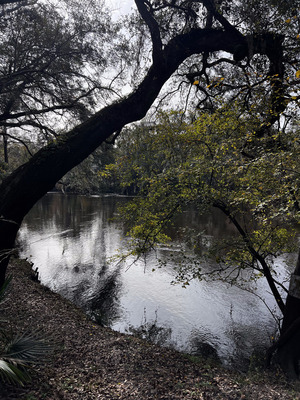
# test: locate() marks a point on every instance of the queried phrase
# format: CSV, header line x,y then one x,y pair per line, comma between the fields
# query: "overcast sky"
x,y
120,6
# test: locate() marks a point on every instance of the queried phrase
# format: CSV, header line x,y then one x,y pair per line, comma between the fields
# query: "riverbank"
x,y
91,362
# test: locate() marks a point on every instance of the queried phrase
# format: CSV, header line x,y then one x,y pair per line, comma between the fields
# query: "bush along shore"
x,y
91,362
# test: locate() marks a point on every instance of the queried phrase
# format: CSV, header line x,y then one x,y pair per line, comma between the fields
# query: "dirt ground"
x,y
91,362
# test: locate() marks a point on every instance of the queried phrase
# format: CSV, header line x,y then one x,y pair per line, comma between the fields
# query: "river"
x,y
72,240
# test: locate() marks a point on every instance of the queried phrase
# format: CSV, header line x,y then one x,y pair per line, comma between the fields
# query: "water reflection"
x,y
104,305
71,238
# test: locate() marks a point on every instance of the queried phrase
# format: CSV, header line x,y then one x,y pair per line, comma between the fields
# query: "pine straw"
x,y
92,362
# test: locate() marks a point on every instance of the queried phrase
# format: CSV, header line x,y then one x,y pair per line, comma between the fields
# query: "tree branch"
x,y
20,141
153,28
211,8
266,270
20,191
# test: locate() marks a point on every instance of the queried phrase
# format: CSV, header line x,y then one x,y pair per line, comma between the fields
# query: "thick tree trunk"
x,y
8,233
292,311
288,346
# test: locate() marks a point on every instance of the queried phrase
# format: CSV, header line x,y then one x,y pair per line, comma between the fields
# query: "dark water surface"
x,y
71,240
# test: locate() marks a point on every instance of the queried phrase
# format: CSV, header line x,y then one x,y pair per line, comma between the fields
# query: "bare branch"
x,y
255,254
20,141
211,8
153,28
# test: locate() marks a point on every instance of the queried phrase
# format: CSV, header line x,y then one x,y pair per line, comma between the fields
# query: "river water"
x,y
72,239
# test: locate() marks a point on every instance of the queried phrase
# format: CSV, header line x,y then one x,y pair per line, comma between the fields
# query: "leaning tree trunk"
x,y
288,345
27,184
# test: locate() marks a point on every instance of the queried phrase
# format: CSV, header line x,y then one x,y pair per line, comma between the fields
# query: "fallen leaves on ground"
x,y
91,362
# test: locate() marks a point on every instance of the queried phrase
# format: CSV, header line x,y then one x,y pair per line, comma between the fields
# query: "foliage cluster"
x,y
53,59
214,160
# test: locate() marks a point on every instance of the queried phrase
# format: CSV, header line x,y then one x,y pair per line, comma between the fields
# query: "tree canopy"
x,y
50,70
178,162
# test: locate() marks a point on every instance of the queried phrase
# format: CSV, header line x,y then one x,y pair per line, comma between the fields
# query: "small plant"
x,y
18,352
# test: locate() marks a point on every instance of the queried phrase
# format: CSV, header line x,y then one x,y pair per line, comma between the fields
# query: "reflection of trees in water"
x,y
152,332
248,347
70,211
104,306
195,235
213,223
201,346
79,224
245,349
81,272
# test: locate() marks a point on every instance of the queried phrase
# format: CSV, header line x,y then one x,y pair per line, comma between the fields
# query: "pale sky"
x,y
120,7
